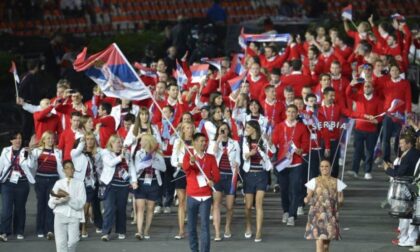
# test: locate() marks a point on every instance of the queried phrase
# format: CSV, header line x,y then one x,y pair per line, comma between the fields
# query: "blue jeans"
x,y
14,199
290,180
364,142
194,208
115,206
390,128
44,215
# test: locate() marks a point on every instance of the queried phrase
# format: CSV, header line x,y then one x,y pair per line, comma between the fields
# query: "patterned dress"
x,y
323,214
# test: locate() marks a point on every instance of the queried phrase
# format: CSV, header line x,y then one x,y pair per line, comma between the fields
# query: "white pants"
x,y
408,233
66,233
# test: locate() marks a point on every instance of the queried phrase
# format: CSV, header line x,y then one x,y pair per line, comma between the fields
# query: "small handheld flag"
x,y
347,12
13,70
180,76
236,83
198,72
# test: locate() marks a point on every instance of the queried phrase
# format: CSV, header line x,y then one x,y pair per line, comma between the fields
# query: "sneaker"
x,y
3,237
85,235
138,236
20,237
50,236
285,217
415,248
248,235
368,176
121,236
291,221
40,236
146,237
105,238
158,210
167,210
300,211
352,174
98,231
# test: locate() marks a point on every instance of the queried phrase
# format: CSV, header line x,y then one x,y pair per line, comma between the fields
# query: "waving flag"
x,y
395,105
241,39
398,17
198,72
233,183
113,73
236,65
13,70
377,151
236,82
216,62
347,12
180,76
146,161
286,157
145,71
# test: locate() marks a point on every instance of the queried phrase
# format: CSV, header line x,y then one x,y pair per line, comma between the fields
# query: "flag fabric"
x,y
13,70
377,151
241,39
145,71
286,157
398,17
113,73
146,161
345,140
180,76
395,105
216,62
236,65
347,12
198,72
233,183
245,38
236,83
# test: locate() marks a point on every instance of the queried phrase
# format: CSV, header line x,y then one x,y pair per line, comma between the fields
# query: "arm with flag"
x,y
236,83
13,70
180,76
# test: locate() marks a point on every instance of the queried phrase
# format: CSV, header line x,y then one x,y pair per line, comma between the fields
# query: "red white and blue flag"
x,y
236,83
145,71
237,66
347,12
180,76
395,105
286,157
113,73
233,183
146,161
216,62
198,72
398,17
13,70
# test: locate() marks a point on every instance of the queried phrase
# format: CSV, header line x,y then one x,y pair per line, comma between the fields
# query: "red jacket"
x,y
297,80
209,166
67,139
122,132
397,90
374,107
276,62
273,111
299,134
256,88
44,121
107,129
166,142
327,60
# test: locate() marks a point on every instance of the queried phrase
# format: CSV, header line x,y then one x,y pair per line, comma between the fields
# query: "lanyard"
x,y
13,159
332,113
286,140
274,112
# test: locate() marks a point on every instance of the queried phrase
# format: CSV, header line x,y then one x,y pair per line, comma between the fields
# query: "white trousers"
x,y
408,233
66,232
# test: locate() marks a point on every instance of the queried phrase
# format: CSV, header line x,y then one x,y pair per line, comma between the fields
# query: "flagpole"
x,y
163,114
16,88
310,153
345,155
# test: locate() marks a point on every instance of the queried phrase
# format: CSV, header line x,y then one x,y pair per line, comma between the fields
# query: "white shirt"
x,y
311,185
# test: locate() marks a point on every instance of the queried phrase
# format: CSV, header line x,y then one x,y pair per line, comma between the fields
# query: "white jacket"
x,y
137,168
211,130
58,157
110,161
81,160
262,121
116,113
267,165
233,150
131,140
6,161
73,208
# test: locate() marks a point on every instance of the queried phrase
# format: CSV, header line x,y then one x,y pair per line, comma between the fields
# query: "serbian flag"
x,y
180,76
236,65
146,161
233,183
236,82
286,157
377,151
198,72
113,73
244,38
241,39
145,71
13,70
395,105
398,17
216,62
347,12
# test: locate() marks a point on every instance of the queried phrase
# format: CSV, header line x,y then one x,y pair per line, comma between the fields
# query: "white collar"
x,y
343,47
296,72
368,97
199,156
293,124
336,77
271,58
270,103
397,80
172,102
327,54
255,79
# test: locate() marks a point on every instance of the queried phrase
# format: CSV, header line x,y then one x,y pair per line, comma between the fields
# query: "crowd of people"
x,y
283,127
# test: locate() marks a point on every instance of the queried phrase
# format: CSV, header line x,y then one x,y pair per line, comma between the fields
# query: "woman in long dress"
x,y
325,195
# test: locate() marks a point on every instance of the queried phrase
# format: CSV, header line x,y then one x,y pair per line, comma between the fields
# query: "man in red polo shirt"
x,y
69,135
105,124
296,78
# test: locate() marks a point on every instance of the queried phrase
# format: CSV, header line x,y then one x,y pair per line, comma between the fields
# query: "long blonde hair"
x,y
181,144
151,143
90,134
41,143
112,139
138,123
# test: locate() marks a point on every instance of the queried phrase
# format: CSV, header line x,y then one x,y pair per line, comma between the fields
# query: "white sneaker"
x,y
211,217
285,217
40,236
300,211
352,174
20,237
167,210
368,176
3,237
158,210
98,231
121,236
291,221
105,238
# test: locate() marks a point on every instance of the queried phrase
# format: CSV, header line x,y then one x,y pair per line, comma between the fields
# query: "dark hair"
x,y
296,64
336,62
260,109
211,115
255,125
32,64
75,113
198,135
217,131
68,162
130,104
170,108
172,85
365,46
13,135
276,71
408,138
324,74
187,113
328,90
130,117
107,107
314,49
213,97
310,96
292,106
289,89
